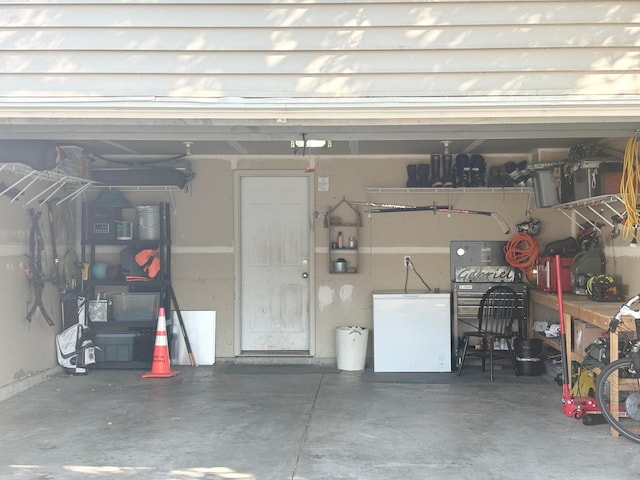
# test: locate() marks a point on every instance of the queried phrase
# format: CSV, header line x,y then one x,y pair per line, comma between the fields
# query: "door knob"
x,y
305,274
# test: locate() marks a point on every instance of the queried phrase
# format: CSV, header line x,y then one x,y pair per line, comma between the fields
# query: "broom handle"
x,y
192,359
563,336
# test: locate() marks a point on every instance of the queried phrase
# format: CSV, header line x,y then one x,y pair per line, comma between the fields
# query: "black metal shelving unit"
x,y
143,331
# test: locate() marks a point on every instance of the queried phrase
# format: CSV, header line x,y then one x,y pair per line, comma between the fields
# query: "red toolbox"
x,y
547,280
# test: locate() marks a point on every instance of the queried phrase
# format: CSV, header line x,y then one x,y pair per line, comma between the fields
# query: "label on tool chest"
x,y
486,273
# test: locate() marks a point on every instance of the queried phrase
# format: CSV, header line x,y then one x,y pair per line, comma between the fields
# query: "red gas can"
x,y
547,281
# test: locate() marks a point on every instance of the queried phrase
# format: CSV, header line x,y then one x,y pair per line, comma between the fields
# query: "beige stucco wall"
x,y
203,248
26,348
203,238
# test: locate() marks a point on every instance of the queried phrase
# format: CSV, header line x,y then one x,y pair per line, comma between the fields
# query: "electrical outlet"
x,y
407,262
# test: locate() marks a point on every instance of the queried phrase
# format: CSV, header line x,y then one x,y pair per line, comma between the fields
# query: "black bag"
x,y
567,247
128,263
599,349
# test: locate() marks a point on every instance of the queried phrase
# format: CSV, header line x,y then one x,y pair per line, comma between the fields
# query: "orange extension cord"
x,y
522,252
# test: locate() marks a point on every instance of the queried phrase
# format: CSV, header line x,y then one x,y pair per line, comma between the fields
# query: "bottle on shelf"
x,y
340,241
352,242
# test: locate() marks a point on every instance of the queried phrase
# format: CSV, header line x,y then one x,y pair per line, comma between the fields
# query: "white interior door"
x,y
275,233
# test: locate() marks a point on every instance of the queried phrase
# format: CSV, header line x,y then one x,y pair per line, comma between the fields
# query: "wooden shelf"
x,y
578,306
350,227
474,190
553,342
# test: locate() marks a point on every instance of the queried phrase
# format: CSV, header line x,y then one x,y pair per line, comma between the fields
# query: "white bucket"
x,y
351,347
148,222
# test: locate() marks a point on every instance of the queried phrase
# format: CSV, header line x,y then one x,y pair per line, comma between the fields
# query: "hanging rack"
x,y
589,204
57,180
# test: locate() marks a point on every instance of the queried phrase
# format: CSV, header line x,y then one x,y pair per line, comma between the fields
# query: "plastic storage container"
x,y
114,346
586,180
545,188
135,307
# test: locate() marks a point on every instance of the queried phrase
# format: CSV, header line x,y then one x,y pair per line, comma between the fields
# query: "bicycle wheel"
x,y
618,395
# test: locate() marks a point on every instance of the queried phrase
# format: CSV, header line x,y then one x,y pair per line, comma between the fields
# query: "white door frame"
x,y
237,261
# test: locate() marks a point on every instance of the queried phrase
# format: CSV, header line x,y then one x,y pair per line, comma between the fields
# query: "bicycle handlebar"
x,y
625,311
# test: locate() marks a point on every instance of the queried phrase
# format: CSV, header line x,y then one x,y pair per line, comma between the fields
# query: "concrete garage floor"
x,y
302,422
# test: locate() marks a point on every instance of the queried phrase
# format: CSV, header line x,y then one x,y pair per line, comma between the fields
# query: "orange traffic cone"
x,y
160,366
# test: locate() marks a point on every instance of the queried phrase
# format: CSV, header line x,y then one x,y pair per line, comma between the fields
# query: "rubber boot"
x,y
412,174
447,173
462,170
436,179
496,177
478,169
423,174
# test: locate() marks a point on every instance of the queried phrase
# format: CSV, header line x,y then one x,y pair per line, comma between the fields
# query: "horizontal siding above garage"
x,y
314,63
282,13
317,38
347,49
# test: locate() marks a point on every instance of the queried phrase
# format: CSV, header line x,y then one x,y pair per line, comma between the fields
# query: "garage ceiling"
x,y
122,148
169,138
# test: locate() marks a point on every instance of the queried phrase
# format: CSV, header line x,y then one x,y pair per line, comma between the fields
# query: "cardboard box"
x,y
583,335
611,175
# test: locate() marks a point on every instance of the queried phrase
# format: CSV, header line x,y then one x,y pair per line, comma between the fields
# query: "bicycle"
x,y
618,383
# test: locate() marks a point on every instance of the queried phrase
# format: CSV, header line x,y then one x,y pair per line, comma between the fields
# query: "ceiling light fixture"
x,y
310,143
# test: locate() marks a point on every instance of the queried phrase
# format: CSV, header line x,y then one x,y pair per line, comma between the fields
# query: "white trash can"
x,y
351,347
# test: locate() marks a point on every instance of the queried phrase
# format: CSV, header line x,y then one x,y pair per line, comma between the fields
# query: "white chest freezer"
x,y
411,332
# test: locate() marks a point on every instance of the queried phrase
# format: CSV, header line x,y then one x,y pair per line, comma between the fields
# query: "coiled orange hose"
x,y
522,252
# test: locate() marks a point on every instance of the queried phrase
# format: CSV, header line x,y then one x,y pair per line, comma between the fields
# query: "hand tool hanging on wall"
x,y
192,359
392,208
55,272
34,270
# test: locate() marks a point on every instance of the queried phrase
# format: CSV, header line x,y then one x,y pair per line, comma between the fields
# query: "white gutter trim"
x,y
339,102
407,110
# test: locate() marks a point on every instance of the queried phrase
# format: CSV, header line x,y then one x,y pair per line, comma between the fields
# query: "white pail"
x,y
351,347
148,222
